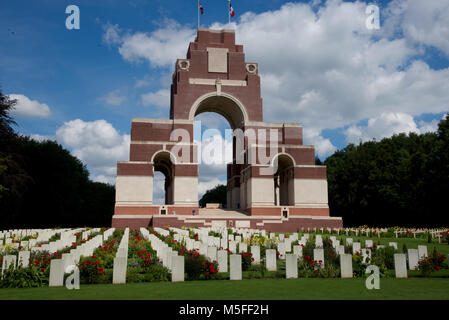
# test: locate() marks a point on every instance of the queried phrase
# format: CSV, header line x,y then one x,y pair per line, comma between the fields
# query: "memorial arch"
x,y
214,77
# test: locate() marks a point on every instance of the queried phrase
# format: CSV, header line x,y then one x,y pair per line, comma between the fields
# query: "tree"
x,y
395,181
42,185
6,121
215,195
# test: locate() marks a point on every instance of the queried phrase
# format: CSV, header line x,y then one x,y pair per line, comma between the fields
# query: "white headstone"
x,y
349,241
318,255
356,247
232,245
298,251
288,245
281,249
394,245
9,260
212,253
56,273
412,259
346,265
222,259
291,266
422,252
340,249
243,247
177,268
119,270
224,243
270,257
255,250
235,266
400,265
318,241
24,259
369,243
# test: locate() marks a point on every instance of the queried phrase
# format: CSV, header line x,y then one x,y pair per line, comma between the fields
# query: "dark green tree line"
x,y
402,180
42,185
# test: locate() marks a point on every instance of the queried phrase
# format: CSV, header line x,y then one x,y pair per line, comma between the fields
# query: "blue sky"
x,y
318,62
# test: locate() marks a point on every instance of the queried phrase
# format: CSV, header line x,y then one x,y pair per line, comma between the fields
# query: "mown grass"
x,y
268,289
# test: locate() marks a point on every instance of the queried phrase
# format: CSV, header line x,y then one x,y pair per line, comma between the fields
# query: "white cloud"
x,y
26,107
160,98
111,34
323,146
114,98
97,144
330,71
421,22
160,48
386,125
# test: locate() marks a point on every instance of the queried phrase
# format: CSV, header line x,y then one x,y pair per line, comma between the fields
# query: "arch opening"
x,y
224,104
162,163
284,181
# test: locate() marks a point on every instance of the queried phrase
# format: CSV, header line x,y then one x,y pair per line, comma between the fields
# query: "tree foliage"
x,y
42,185
215,195
402,180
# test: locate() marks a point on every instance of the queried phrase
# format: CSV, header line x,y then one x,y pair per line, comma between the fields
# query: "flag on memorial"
x,y
231,10
201,7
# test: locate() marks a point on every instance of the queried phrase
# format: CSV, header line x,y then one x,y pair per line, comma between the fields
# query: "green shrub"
x,y
22,278
91,271
247,258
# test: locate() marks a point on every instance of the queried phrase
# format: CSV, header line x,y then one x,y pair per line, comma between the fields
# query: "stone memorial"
x,y
422,252
270,256
318,255
24,259
177,268
56,278
255,251
291,266
235,266
222,259
412,259
346,265
400,265
298,251
119,271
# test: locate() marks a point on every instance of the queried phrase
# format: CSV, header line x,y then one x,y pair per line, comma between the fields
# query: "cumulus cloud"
x,y
160,48
26,107
386,125
421,22
331,64
97,144
323,146
160,98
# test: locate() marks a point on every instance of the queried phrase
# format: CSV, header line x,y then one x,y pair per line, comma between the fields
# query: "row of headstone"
x,y
169,257
60,266
121,260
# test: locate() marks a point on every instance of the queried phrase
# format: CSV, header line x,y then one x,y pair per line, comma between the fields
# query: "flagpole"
x,y
198,12
229,12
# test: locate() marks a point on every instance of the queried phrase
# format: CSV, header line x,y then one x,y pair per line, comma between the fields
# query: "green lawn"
x,y
292,289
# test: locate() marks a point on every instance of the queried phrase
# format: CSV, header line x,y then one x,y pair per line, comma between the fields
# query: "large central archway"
x,y
224,104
